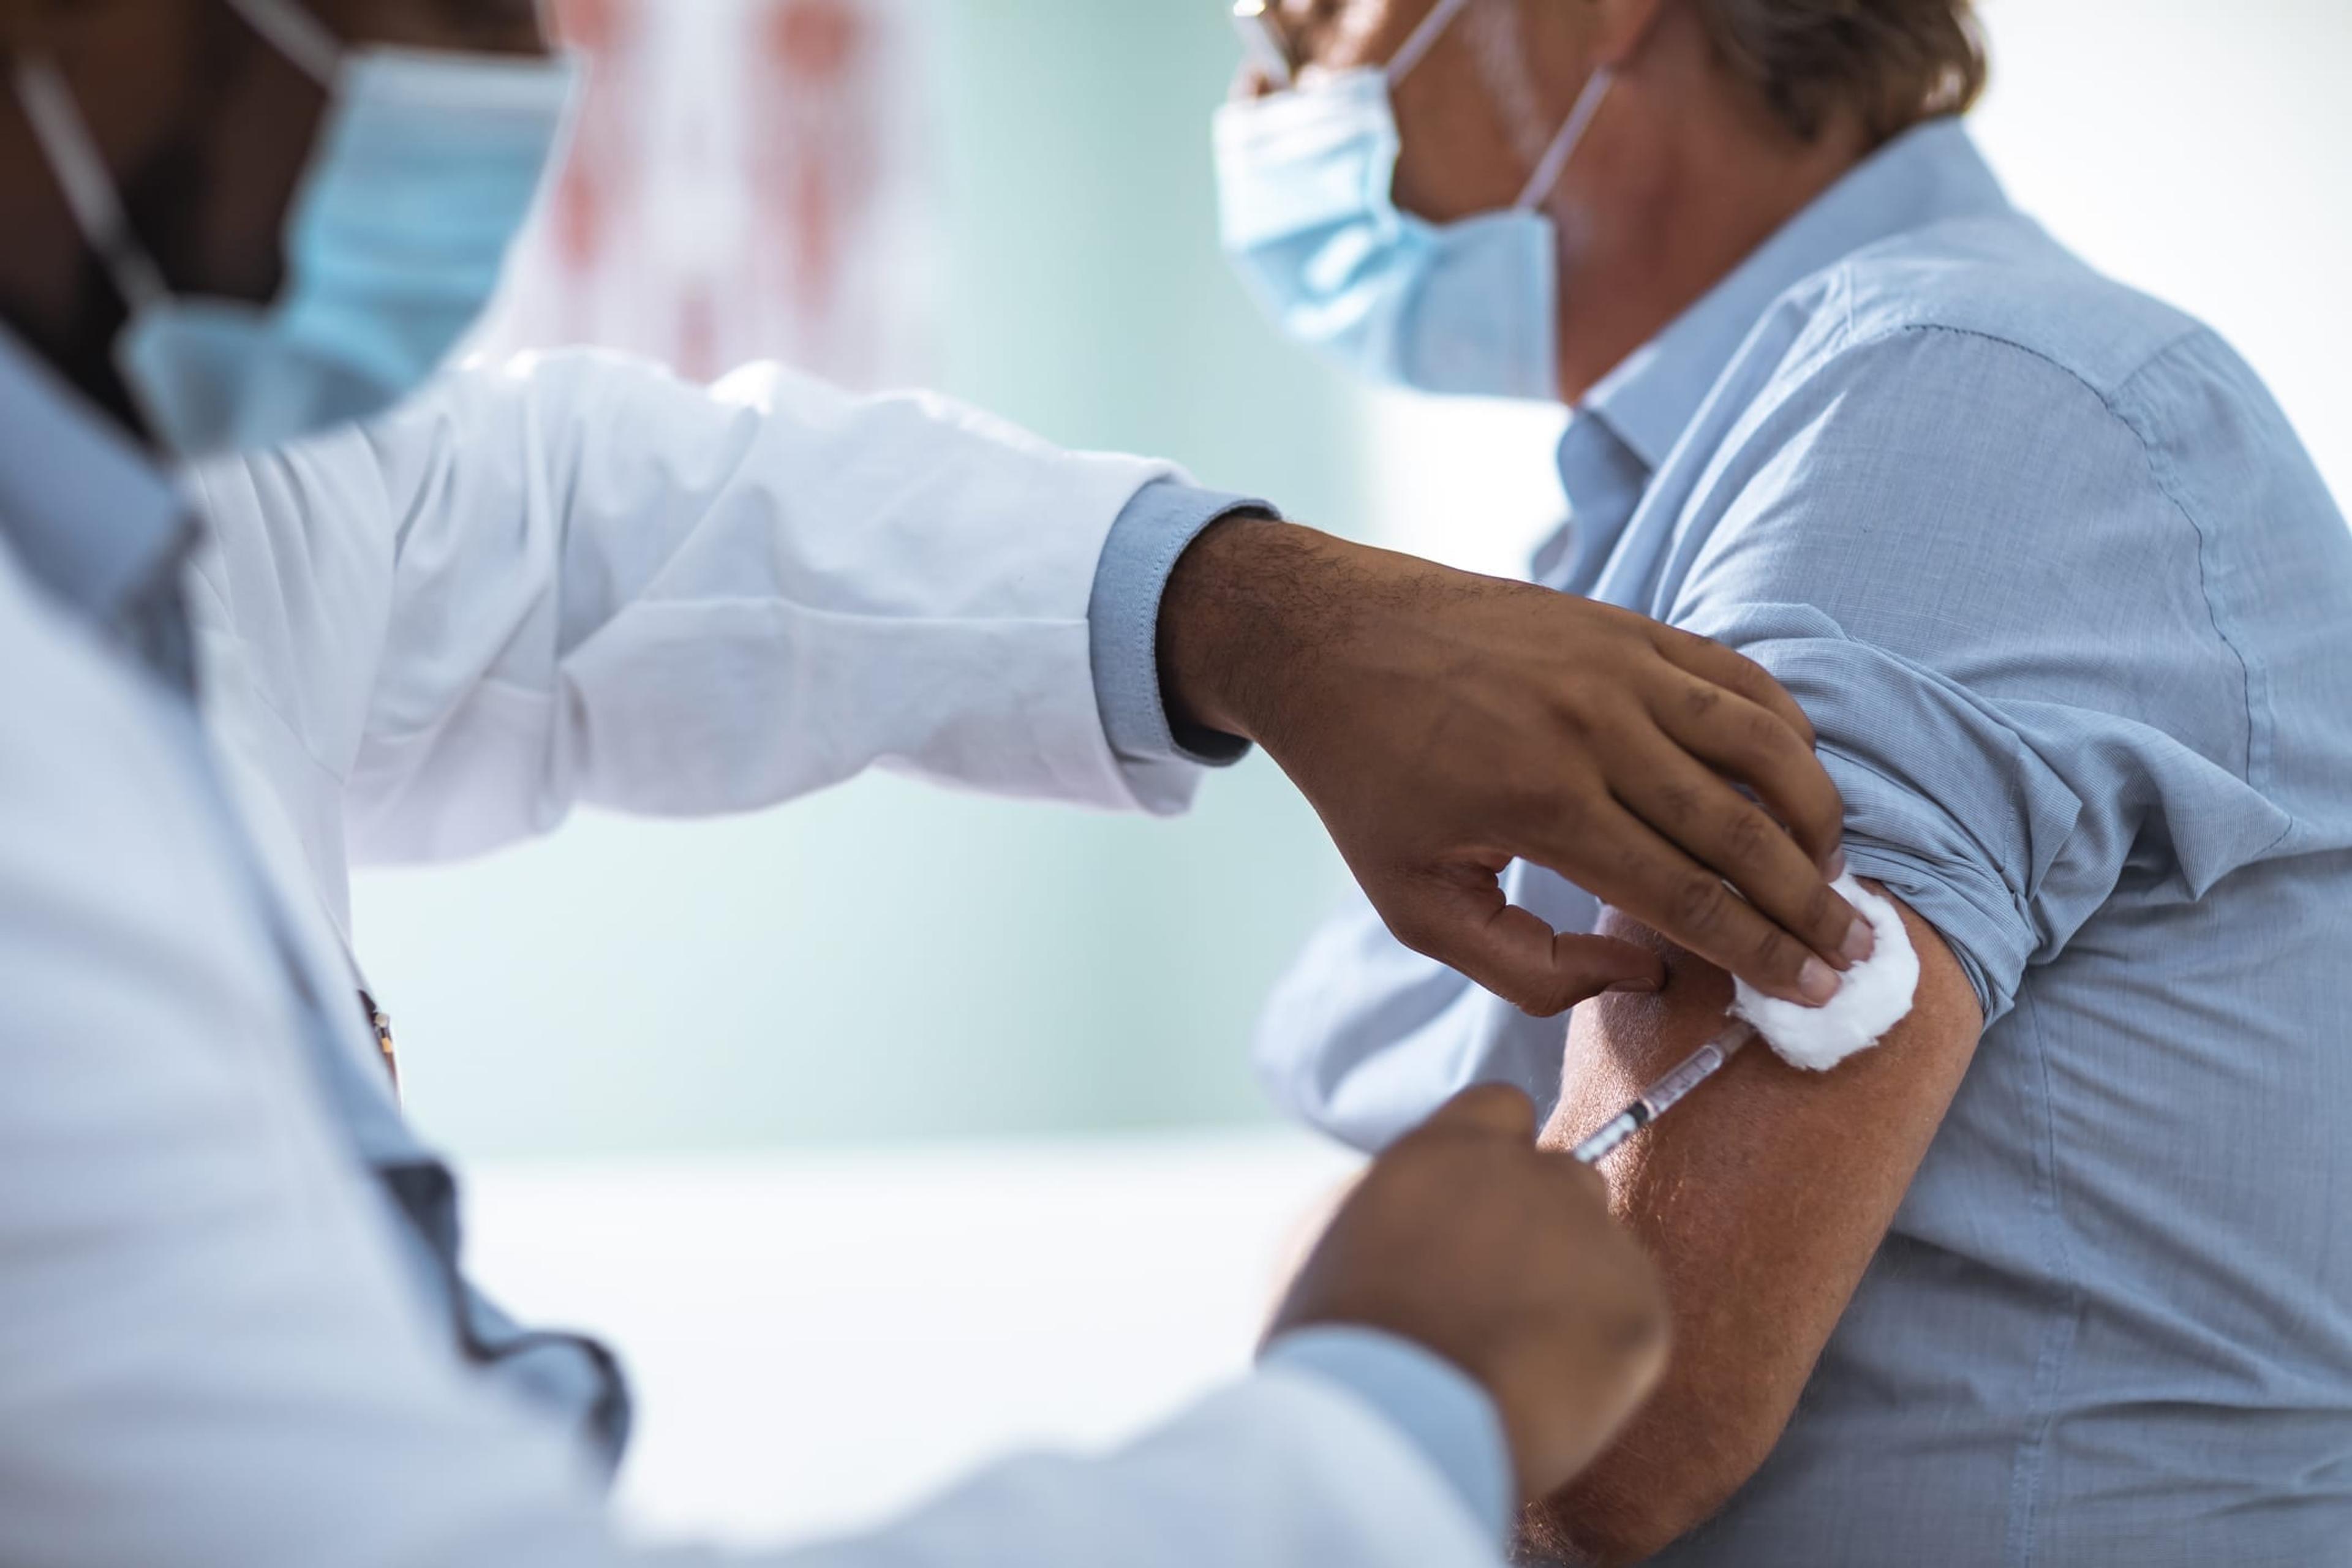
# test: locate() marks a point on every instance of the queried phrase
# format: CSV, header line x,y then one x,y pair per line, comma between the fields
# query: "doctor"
x,y
231,1323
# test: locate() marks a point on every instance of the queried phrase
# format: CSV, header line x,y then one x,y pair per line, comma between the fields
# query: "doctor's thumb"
x,y
1466,923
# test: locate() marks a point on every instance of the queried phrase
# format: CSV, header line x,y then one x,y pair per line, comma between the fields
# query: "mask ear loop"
x,y
88,186
1422,39
296,34
1554,162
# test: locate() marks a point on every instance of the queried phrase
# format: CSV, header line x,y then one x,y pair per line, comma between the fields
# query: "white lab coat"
x,y
580,581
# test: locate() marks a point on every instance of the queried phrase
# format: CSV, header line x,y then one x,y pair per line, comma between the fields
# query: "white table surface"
x,y
819,1339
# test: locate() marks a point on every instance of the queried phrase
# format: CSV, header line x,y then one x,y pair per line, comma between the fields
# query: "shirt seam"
x,y
202,505
2058,1338
2208,548
2158,474
264,698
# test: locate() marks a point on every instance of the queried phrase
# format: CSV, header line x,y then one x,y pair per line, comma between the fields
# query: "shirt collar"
x,y
87,512
1929,173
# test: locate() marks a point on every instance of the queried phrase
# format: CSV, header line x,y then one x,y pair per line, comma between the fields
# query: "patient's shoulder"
x,y
2001,279
1934,449
1979,359
1969,449
1975,378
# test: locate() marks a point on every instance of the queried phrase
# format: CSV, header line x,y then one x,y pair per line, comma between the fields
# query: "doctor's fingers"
x,y
1734,672
1731,835
1624,862
1458,915
1729,713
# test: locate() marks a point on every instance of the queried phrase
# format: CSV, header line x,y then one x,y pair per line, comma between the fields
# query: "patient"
x,y
2062,1272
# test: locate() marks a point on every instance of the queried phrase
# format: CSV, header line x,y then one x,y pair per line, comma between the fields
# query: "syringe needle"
x,y
1667,1092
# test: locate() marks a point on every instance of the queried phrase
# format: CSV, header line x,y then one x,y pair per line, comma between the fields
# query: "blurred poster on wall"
x,y
748,179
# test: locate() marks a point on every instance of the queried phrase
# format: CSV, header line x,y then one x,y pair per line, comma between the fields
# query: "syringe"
x,y
1662,1096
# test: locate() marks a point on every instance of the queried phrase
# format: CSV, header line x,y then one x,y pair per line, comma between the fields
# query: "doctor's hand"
x,y
1468,1240
1443,724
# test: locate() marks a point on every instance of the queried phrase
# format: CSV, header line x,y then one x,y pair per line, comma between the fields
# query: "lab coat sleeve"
x,y
209,1355
1284,1468
576,579
1450,1420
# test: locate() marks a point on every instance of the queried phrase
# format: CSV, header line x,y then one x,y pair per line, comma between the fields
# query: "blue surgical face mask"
x,y
427,167
1309,221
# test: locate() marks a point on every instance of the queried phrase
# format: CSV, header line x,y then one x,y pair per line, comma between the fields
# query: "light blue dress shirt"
x,y
2072,611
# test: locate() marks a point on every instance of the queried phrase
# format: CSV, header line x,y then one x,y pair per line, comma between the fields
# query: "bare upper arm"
x,y
1763,1198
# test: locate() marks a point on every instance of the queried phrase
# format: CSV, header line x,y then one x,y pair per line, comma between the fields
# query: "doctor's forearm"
x,y
1233,620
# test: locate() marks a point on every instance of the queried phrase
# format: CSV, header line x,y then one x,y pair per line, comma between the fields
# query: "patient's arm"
x,y
1763,1198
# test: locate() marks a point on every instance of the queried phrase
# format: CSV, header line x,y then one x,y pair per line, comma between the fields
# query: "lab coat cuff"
x,y
1437,1407
1146,541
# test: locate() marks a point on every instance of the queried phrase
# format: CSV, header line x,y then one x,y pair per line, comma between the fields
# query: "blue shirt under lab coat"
x,y
2073,613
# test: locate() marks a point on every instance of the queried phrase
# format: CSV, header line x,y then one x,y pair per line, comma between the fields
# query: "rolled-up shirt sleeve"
x,y
1962,562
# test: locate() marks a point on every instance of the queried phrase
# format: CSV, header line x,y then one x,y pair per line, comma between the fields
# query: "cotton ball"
x,y
1877,995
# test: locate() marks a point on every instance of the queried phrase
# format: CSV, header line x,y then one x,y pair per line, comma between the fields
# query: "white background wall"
x,y
886,960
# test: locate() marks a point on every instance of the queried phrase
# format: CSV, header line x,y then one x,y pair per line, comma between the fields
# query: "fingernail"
x,y
1836,867
1634,988
1861,942
1817,983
